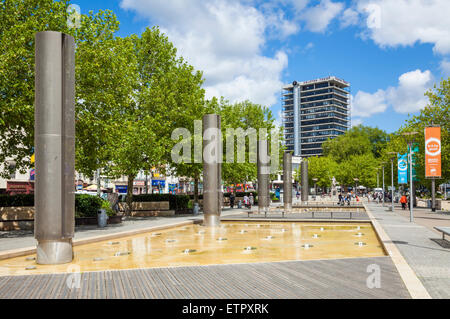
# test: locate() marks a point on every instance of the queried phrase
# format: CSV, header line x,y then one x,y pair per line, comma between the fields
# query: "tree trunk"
x,y
130,193
196,189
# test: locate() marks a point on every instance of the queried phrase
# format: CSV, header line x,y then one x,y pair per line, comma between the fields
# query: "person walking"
x,y
246,201
298,195
232,199
251,201
403,201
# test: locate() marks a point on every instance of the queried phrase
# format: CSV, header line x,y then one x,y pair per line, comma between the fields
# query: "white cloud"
x,y
318,18
356,121
406,97
349,17
405,22
366,104
445,67
225,39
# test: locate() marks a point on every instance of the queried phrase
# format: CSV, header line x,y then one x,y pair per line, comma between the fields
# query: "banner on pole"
x,y
433,152
402,165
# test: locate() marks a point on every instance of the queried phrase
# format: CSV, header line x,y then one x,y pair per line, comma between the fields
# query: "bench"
x,y
265,213
331,212
150,209
444,231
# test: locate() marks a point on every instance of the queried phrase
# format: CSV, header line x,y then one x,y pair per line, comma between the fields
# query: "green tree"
x,y
245,115
323,168
168,88
106,79
19,21
436,112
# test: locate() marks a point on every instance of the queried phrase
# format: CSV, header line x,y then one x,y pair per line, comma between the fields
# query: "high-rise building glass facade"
x,y
314,111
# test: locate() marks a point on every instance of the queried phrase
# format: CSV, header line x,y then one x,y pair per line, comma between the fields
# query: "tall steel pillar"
x,y
212,170
263,168
305,186
55,147
287,181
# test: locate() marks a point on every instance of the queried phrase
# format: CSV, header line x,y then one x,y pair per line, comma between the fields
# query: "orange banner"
x,y
433,152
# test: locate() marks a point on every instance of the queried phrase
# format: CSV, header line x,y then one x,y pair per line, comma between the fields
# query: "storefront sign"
x,y
159,183
121,189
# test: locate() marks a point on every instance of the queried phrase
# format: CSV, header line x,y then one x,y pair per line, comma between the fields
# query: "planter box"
x,y
16,213
185,211
136,206
442,204
152,213
16,225
114,219
85,221
94,221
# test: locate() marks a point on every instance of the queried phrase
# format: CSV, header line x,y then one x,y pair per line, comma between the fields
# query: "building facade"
x,y
314,111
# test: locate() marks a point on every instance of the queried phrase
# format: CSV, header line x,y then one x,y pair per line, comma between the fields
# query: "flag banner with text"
x,y
402,166
432,152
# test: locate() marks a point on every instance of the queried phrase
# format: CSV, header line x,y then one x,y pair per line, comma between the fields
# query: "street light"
x,y
393,154
356,185
378,184
382,167
409,136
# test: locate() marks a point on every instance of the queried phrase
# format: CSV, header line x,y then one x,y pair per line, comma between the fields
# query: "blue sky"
x,y
390,51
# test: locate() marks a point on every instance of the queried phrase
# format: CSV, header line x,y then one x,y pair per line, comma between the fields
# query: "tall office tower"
x,y
314,111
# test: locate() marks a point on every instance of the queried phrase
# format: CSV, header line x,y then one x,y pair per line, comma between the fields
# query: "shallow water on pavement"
x,y
231,243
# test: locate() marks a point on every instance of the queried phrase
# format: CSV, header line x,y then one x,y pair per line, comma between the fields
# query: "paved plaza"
x,y
343,278
419,245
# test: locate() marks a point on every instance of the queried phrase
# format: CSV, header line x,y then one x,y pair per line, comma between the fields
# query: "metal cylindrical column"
x,y
54,147
263,168
392,184
305,186
212,175
433,195
287,181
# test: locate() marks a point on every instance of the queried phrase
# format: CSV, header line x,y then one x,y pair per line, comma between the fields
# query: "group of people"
x,y
248,201
404,200
378,197
344,199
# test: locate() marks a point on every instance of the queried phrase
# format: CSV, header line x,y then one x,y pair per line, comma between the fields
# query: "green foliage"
x,y
19,200
356,154
323,168
243,115
274,197
87,205
107,207
19,21
358,140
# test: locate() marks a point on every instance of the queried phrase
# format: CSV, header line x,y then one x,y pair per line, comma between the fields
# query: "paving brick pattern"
x,y
429,260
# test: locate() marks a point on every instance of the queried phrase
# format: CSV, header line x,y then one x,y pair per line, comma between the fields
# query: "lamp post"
x,y
382,167
410,140
356,185
378,184
315,188
393,154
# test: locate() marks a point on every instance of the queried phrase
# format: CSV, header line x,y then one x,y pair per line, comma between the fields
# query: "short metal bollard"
x,y
102,218
196,209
